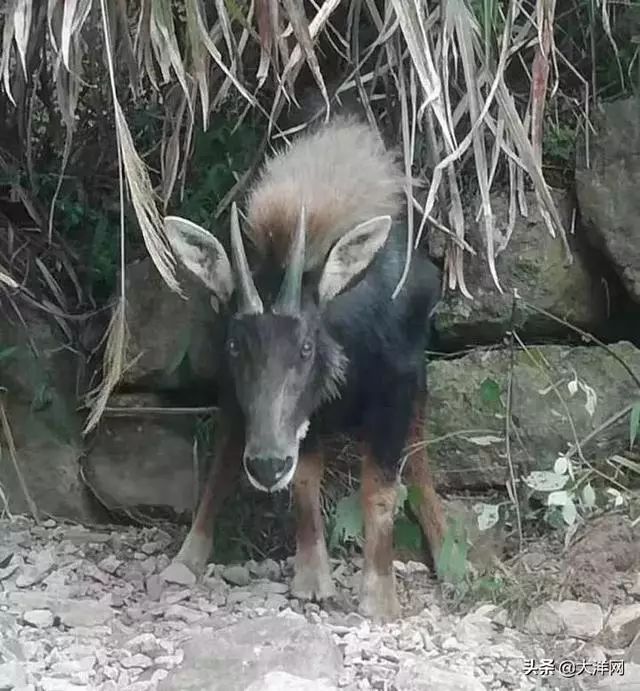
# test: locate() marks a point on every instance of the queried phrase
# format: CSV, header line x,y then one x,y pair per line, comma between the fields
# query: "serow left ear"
x,y
351,256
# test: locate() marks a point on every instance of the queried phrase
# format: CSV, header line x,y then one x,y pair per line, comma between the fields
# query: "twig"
x,y
117,411
586,335
512,474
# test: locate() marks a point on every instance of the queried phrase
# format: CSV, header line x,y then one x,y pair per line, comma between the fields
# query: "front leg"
x,y
378,597
312,573
221,480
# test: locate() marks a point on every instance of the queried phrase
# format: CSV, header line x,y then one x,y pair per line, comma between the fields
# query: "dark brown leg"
x,y
418,474
312,573
378,598
221,480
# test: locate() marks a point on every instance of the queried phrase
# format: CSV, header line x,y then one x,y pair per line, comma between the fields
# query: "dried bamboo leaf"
x,y
298,19
114,366
7,280
22,28
8,33
193,8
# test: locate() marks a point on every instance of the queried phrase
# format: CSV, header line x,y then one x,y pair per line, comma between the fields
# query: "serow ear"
x,y
202,255
351,256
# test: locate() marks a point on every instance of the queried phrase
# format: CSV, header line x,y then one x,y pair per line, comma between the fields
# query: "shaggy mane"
x,y
344,176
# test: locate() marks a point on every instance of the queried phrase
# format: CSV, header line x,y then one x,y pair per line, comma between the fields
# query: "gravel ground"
x,y
88,608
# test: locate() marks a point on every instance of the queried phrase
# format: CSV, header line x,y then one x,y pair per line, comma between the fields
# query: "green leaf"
x,y
407,535
488,515
634,424
452,561
414,497
490,391
348,520
545,480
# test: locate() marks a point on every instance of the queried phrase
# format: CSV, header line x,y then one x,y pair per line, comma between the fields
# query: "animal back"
x,y
342,173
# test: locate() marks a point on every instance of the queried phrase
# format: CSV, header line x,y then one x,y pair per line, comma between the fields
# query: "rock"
x,y
283,681
12,675
473,389
39,376
176,339
142,463
421,675
237,575
268,569
627,679
136,660
607,190
534,264
40,618
109,564
84,613
599,561
622,626
545,620
474,630
580,619
633,651
178,573
232,658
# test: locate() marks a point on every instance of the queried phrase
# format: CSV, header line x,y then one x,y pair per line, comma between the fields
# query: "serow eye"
x,y
233,348
306,350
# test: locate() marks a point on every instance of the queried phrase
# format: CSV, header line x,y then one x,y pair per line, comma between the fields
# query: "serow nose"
x,y
268,471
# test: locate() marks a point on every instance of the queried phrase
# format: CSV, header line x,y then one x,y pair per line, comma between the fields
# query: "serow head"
x,y
282,361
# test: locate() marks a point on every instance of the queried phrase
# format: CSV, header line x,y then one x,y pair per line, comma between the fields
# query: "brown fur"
x,y
343,175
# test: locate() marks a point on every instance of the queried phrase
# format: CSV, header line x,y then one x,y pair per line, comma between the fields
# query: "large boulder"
x,y
242,655
38,375
534,264
173,341
555,390
142,462
607,184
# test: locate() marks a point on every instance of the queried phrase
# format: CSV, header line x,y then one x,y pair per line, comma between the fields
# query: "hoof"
x,y
378,598
312,580
194,553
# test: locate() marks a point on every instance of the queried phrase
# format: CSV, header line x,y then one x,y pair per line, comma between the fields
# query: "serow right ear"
x,y
202,255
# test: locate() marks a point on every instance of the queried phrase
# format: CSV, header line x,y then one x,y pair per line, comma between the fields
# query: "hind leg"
x,y
378,597
221,480
428,509
312,573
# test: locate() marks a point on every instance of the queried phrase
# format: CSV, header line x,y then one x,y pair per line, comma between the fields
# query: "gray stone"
x,y
420,675
136,660
12,675
138,463
84,613
283,681
607,190
470,393
580,619
629,680
40,618
232,658
545,620
622,626
534,264
167,331
237,575
40,401
178,573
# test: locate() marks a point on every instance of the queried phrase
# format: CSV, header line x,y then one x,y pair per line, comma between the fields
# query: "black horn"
x,y
290,295
250,302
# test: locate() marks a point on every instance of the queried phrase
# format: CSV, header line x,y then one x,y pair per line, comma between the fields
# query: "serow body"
x,y
316,346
